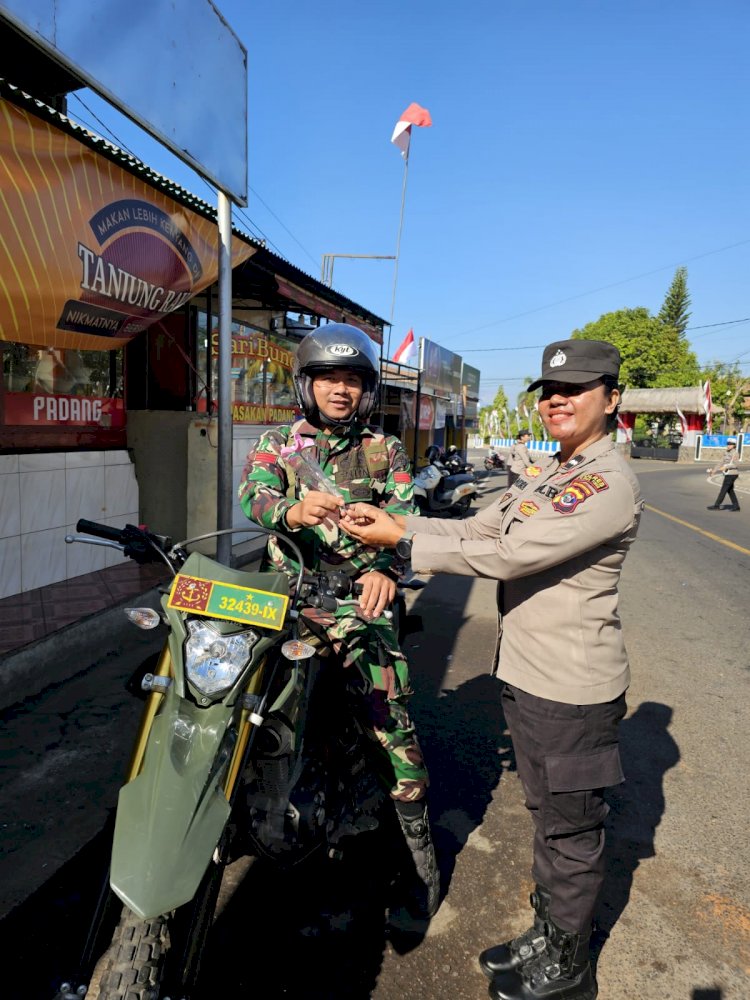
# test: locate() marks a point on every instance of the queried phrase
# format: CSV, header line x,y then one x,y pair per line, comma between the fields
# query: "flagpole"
x,y
398,249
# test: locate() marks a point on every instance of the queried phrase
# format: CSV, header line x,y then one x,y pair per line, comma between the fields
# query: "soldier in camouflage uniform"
x,y
336,380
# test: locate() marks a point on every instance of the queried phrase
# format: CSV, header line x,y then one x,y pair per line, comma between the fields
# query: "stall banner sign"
x,y
470,383
42,409
90,255
262,380
441,369
440,411
426,411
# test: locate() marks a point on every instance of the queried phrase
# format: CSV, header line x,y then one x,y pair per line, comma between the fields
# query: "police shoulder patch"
x,y
579,490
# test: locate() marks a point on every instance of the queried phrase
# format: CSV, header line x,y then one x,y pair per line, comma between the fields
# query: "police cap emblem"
x,y
557,360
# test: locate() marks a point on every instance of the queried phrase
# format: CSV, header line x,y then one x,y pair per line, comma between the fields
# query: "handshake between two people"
x,y
370,525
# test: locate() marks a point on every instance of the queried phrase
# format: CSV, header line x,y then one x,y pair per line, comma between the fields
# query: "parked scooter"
x,y
453,462
494,461
437,491
248,745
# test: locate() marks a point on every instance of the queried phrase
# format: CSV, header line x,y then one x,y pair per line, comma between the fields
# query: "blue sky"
x,y
581,150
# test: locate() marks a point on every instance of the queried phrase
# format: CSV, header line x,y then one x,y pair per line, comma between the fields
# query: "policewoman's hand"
x,y
378,590
372,525
314,509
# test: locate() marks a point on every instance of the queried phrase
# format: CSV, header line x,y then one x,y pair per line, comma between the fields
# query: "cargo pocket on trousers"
x,y
574,798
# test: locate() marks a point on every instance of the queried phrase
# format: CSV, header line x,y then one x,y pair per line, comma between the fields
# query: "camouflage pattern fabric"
x,y
364,463
382,687
368,465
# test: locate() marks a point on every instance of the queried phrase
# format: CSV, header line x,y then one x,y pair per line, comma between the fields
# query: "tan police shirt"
x,y
519,457
557,541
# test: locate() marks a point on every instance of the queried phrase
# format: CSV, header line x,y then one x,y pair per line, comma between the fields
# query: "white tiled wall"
x,y
41,498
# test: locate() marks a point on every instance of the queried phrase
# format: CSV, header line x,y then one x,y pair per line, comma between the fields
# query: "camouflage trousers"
x,y
381,687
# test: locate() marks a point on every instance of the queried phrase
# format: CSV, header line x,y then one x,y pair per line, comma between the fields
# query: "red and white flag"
x,y
406,353
683,420
628,431
414,115
707,405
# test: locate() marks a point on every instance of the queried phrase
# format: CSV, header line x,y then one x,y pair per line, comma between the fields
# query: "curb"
x,y
61,655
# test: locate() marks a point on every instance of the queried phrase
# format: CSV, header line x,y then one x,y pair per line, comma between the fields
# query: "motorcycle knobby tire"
x,y
134,967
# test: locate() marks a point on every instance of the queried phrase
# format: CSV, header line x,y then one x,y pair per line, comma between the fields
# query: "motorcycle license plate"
x,y
226,600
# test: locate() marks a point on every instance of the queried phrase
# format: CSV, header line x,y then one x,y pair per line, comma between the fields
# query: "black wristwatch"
x,y
403,546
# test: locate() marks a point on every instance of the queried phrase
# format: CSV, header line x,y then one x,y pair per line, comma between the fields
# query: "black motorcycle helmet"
x,y
337,345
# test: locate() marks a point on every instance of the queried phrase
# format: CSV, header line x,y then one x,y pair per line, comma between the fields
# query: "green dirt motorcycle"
x,y
248,745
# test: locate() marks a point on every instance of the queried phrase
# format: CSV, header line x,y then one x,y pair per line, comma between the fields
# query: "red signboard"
x,y
43,409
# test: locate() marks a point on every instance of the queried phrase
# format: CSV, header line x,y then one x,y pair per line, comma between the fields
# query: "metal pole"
x,y
416,420
224,365
398,250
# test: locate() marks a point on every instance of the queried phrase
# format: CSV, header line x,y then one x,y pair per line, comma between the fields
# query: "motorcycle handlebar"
x,y
99,530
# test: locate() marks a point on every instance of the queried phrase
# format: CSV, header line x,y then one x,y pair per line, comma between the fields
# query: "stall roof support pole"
x,y
224,364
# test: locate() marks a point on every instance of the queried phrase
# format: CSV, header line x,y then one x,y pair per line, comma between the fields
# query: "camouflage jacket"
x,y
365,464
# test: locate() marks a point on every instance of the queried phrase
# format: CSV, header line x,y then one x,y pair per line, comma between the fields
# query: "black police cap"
x,y
577,362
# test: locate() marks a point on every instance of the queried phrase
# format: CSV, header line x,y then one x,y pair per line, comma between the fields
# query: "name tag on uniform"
x,y
547,491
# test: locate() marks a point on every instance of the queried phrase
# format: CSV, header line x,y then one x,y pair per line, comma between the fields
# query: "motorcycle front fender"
x,y
171,816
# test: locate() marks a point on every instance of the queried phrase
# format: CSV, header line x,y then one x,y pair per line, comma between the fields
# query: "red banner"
x,y
55,410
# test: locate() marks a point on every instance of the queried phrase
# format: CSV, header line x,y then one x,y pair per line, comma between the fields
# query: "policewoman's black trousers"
x,y
566,756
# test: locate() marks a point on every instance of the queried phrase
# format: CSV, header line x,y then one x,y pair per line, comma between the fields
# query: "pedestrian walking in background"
x,y
556,542
729,469
519,458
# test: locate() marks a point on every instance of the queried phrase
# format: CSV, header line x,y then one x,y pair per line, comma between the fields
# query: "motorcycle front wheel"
x,y
147,957
134,965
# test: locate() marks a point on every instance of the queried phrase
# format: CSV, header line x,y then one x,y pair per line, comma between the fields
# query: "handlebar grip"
x,y
99,530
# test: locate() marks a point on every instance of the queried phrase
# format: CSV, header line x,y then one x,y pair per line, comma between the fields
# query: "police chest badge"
x,y
533,471
527,508
579,490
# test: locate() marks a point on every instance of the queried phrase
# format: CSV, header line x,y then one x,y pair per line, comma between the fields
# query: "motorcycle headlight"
x,y
213,661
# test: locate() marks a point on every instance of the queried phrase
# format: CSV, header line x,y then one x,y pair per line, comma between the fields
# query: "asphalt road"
x,y
674,920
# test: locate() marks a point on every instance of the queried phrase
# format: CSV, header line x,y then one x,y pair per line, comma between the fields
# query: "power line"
x,y
602,288
534,347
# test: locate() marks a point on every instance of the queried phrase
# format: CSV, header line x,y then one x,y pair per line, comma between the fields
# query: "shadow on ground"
x,y
648,751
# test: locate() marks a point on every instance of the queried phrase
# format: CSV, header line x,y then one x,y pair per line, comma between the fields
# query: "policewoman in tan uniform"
x,y
556,542
519,458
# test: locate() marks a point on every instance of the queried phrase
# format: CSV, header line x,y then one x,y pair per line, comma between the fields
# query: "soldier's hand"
x,y
314,509
378,590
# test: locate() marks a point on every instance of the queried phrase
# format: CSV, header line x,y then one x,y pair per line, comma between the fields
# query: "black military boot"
x,y
424,894
561,972
503,957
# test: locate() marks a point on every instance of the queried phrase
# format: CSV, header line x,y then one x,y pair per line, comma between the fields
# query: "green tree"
x,y
526,403
498,404
654,354
674,311
728,389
